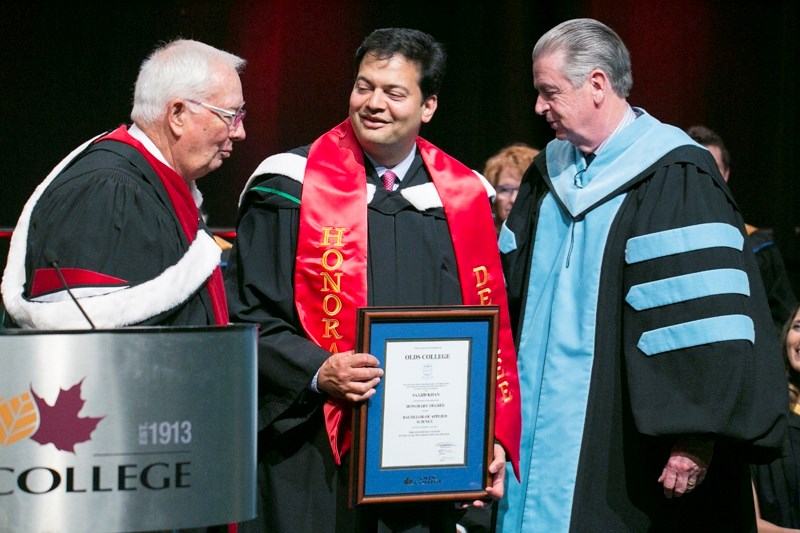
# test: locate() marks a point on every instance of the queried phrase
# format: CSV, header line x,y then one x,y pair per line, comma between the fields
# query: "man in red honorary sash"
x,y
319,235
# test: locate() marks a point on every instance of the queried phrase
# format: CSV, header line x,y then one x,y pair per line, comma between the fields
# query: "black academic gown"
x,y
732,391
780,295
778,483
109,213
410,262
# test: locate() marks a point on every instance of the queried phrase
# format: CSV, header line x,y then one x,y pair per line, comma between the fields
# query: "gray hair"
x,y
182,68
588,44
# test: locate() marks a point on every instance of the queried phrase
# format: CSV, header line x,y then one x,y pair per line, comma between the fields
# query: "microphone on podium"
x,y
52,260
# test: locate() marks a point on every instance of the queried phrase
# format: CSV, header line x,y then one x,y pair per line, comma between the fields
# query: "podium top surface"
x,y
130,329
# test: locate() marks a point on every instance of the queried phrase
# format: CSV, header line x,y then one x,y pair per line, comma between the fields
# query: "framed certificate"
x,y
428,432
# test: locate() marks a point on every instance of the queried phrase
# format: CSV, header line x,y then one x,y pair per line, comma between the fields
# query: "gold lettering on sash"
x,y
330,329
485,296
327,234
504,392
482,280
335,286
332,252
481,276
502,385
331,260
326,305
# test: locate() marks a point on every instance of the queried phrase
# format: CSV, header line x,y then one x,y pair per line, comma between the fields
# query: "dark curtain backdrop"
x,y
68,73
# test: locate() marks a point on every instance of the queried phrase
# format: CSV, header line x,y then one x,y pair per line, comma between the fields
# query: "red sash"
x,y
331,264
186,211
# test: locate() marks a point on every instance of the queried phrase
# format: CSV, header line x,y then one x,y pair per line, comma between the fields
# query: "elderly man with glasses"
x,y
117,223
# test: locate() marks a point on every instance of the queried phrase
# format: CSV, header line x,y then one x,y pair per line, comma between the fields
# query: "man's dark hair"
x,y
416,46
708,137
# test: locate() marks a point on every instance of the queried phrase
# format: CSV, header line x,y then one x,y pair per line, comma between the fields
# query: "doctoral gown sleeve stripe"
x,y
696,333
716,351
681,240
687,287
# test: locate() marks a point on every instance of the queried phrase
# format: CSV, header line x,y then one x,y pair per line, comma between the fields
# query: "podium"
x,y
129,429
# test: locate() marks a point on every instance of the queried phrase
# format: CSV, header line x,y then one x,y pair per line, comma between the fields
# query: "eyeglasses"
x,y
231,118
506,190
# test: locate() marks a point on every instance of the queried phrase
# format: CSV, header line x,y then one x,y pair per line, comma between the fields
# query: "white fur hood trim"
x,y
120,308
293,166
127,306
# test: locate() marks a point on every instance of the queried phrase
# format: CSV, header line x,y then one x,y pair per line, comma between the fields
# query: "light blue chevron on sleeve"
x,y
688,287
681,240
507,241
697,332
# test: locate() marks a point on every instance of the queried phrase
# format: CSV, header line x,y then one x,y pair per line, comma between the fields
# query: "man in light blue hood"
x,y
648,363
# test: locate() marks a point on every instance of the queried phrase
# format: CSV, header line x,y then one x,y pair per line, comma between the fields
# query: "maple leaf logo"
x,y
60,423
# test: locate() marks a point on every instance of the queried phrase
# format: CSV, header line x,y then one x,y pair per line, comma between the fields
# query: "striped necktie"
x,y
389,178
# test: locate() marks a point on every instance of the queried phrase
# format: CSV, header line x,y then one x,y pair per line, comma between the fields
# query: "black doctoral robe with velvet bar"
x,y
638,404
